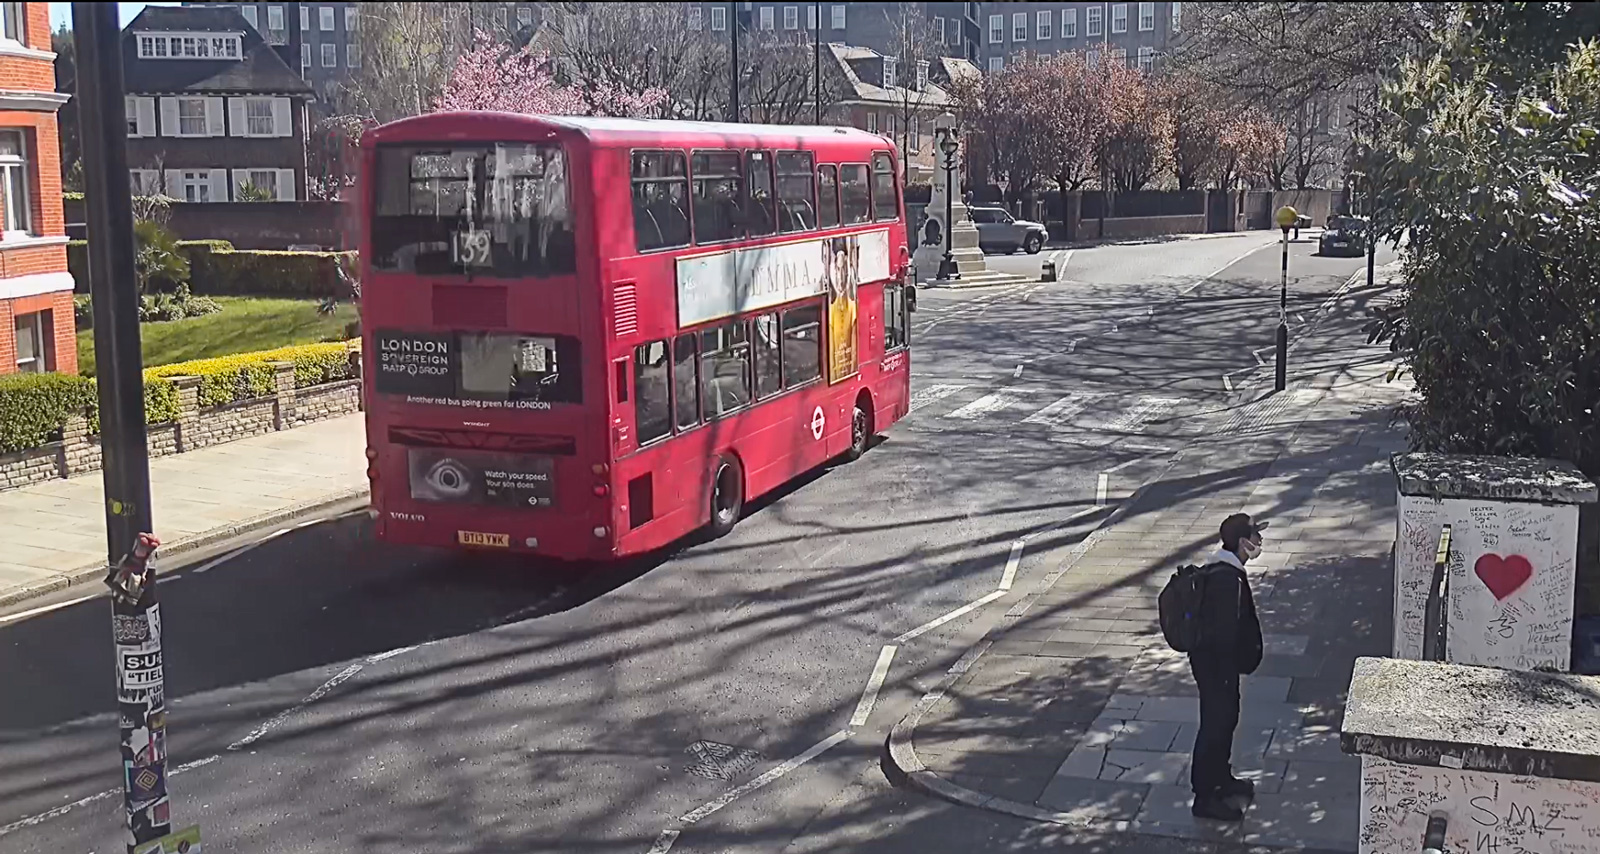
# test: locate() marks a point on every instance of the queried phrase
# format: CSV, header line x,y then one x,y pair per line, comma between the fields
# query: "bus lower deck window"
x,y
725,368
652,392
802,345
685,382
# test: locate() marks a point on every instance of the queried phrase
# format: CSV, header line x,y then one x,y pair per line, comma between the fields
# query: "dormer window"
x,y
190,46
888,72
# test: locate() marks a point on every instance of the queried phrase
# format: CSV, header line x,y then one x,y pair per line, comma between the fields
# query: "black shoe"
x,y
1237,788
1214,807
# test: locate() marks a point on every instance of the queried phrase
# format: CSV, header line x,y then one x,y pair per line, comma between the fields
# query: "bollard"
x,y
1047,271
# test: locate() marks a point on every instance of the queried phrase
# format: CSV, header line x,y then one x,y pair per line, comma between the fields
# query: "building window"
x,y
1043,27
872,122
1119,18
697,17
1177,16
352,15
811,17
524,17
191,117
1119,56
837,12
1069,23
1093,22
914,135
997,29
766,17
264,179
922,74
250,15
791,17
258,117
938,25
1019,26
719,18
197,186
305,56
1147,58
305,18
31,339
352,56
330,56
889,63
14,184
501,16
997,63
325,18
1147,17
13,23
275,18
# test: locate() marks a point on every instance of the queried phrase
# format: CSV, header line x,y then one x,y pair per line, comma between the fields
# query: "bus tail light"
x,y
601,531
600,490
372,453
599,468
372,473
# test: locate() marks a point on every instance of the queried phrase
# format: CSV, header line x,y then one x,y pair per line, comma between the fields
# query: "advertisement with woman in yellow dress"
x,y
843,265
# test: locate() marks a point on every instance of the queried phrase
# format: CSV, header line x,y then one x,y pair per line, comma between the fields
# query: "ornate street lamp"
x,y
948,146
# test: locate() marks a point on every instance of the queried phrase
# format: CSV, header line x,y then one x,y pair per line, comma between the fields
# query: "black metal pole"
x,y
125,464
733,82
1372,235
816,61
1282,380
947,264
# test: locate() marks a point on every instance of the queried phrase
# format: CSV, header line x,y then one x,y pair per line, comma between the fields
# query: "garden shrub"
x,y
34,407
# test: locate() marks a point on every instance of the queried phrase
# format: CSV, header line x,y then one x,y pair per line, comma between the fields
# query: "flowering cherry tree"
x,y
491,76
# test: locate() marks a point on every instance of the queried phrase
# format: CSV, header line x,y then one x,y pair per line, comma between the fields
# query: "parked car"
x,y
999,231
1344,235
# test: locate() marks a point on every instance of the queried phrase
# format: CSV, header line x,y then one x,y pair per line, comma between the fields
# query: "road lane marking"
x,y
1059,413
869,696
664,842
45,609
992,402
1100,490
62,810
933,394
772,775
957,613
277,719
1017,374
1012,562
1138,417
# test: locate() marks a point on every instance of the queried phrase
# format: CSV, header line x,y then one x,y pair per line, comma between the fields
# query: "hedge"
x,y
35,407
217,269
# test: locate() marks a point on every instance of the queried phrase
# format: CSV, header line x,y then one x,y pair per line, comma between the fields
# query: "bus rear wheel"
x,y
860,432
727,497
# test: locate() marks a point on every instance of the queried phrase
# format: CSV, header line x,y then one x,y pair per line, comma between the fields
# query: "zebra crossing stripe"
x,y
1059,414
933,394
1145,410
990,403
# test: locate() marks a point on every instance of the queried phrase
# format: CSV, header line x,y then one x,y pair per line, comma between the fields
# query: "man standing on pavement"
x,y
1229,646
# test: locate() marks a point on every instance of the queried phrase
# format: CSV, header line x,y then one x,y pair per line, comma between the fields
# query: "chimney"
x,y
290,50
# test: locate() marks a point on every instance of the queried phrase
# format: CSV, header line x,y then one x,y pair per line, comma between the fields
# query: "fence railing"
x,y
1436,618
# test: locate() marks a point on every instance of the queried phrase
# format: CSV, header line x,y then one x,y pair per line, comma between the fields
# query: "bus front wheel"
x,y
727,497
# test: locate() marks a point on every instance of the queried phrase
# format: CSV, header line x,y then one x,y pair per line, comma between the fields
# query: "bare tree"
x,y
914,47
407,53
633,48
778,80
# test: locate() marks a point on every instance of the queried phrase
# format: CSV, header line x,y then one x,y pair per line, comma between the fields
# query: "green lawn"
x,y
245,324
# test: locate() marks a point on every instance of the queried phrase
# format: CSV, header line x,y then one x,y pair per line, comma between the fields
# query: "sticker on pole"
x,y
185,841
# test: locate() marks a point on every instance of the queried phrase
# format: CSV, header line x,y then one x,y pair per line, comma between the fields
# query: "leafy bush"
x,y
34,407
249,375
153,308
156,260
263,272
82,312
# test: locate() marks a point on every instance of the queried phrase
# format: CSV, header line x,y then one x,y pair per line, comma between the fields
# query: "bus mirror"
x,y
911,297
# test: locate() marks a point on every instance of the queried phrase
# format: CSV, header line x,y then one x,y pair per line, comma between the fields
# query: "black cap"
x,y
1240,526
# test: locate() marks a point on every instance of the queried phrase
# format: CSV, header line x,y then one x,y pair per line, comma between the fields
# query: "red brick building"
x,y
36,326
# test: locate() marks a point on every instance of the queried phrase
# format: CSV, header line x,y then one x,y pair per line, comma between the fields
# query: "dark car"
x,y
1344,235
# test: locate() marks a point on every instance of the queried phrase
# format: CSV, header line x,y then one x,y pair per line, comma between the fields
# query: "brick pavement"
x,y
1079,714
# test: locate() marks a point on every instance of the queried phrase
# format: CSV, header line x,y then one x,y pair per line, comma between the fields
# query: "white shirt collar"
x,y
1227,557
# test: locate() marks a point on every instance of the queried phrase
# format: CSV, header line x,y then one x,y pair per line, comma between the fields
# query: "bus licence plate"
x,y
473,538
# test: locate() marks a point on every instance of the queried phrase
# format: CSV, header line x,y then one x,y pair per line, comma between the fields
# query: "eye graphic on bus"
x,y
449,480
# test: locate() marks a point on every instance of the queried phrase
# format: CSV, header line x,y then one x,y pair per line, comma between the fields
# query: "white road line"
x,y
1227,382
1100,490
1059,413
732,795
869,696
664,842
989,403
1017,374
1213,274
1137,417
1125,463
1073,344
1015,560
22,615
62,810
322,691
956,614
933,394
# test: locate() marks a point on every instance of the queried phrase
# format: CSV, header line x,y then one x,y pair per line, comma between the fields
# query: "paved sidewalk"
x,y
1077,713
55,531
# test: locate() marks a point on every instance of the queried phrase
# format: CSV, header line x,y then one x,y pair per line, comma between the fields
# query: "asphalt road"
x,y
479,705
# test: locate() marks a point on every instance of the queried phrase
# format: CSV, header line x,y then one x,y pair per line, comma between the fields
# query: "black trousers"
x,y
1218,681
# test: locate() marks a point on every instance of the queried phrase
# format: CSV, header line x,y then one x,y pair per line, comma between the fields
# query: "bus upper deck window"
x,y
797,205
660,200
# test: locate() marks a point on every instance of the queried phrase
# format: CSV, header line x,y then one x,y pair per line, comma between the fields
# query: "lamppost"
x,y
948,146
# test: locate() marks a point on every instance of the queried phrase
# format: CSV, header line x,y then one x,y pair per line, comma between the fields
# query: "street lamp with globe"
x,y
948,146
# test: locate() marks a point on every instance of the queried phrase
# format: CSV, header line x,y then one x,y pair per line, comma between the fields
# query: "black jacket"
x,y
1229,628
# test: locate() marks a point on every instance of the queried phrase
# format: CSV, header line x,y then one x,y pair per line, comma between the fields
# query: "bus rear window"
x,y
492,209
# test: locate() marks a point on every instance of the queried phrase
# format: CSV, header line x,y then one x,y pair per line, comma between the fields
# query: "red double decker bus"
x,y
586,338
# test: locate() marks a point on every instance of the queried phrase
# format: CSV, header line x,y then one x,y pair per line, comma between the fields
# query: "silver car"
x,y
999,231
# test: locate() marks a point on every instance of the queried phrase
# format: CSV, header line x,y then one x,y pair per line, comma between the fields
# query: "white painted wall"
x,y
1501,614
1488,813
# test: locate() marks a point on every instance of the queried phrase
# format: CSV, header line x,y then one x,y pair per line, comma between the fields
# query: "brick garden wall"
x,y
78,452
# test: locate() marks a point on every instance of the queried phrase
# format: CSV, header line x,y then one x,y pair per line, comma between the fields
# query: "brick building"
x,y
1132,33
37,332
212,107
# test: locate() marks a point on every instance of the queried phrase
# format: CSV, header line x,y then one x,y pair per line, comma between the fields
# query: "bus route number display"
x,y
472,248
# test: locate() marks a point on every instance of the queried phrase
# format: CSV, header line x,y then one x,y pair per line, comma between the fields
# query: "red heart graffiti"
x,y
1503,575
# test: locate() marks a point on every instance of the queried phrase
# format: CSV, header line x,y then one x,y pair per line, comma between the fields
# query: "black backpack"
x,y
1179,606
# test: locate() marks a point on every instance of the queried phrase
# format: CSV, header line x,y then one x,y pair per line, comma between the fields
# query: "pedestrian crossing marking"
x,y
1137,417
990,403
1058,414
933,394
